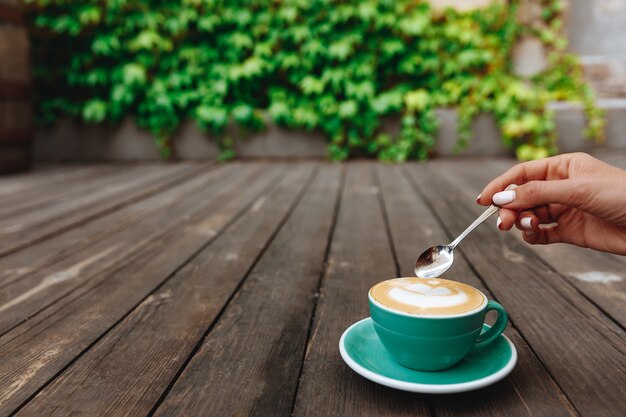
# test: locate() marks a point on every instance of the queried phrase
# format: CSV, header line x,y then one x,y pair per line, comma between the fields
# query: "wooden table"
x,y
204,289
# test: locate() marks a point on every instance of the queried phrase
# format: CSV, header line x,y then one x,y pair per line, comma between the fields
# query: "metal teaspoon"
x,y
436,260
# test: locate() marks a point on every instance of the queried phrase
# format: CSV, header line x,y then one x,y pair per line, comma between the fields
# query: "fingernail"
x,y
528,233
478,198
504,197
499,222
526,223
511,187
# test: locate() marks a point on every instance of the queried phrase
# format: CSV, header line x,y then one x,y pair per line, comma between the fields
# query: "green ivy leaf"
x,y
311,85
348,109
337,67
416,100
89,15
415,23
340,50
95,111
208,23
210,117
242,113
134,74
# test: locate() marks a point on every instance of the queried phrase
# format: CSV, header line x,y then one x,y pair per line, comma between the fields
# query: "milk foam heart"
x,y
427,296
428,289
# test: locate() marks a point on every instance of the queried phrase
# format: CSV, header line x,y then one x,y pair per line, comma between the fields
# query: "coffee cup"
x,y
432,324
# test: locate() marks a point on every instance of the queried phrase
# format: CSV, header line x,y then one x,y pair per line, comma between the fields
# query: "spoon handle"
x,y
492,209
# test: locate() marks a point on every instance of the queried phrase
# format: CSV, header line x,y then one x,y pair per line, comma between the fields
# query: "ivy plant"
x,y
339,66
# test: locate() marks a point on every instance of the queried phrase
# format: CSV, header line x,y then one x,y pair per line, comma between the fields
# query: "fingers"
x,y
542,169
527,221
530,223
506,219
539,193
542,235
532,226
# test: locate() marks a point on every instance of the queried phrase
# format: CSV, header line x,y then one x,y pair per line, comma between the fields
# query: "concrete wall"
x,y
71,141
597,27
597,32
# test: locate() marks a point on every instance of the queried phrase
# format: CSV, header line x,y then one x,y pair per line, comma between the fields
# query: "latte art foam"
x,y
421,296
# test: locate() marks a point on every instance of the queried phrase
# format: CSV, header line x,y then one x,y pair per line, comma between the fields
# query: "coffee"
x,y
431,324
428,297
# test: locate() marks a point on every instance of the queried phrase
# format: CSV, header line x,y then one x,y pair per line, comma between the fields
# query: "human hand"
x,y
585,197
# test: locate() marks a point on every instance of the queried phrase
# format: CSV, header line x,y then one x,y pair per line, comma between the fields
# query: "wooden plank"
x,y
125,228
599,276
265,327
20,203
128,370
25,230
154,211
360,256
40,174
529,390
581,348
34,353
24,294
39,179
64,198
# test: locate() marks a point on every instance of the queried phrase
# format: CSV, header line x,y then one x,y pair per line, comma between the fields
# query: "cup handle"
x,y
497,328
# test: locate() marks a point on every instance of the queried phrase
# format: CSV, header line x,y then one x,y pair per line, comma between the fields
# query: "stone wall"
x,y
597,32
597,27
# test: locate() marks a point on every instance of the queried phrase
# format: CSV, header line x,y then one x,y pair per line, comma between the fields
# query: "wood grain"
x,y
223,290
33,353
64,198
26,192
21,231
20,202
127,371
26,294
266,324
154,213
581,348
360,256
43,176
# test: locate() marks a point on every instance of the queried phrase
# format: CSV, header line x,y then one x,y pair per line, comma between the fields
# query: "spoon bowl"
x,y
438,259
434,261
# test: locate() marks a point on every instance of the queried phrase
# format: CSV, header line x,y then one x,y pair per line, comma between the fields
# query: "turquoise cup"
x,y
434,343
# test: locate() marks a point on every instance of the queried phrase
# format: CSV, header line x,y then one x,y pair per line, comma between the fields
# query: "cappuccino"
x,y
428,297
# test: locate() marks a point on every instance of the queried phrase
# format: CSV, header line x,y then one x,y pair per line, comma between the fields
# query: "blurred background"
x,y
396,80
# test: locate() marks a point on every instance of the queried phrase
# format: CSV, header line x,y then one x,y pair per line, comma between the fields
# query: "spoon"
x,y
436,260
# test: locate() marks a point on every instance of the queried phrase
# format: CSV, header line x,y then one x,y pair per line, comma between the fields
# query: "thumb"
x,y
539,193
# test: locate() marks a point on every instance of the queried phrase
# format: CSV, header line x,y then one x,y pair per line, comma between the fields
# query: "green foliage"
x,y
333,65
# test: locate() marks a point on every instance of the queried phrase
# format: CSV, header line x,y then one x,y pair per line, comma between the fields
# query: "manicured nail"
x,y
511,187
499,222
478,198
504,197
526,223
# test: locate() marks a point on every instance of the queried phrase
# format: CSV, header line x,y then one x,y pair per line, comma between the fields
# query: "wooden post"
x,y
16,122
